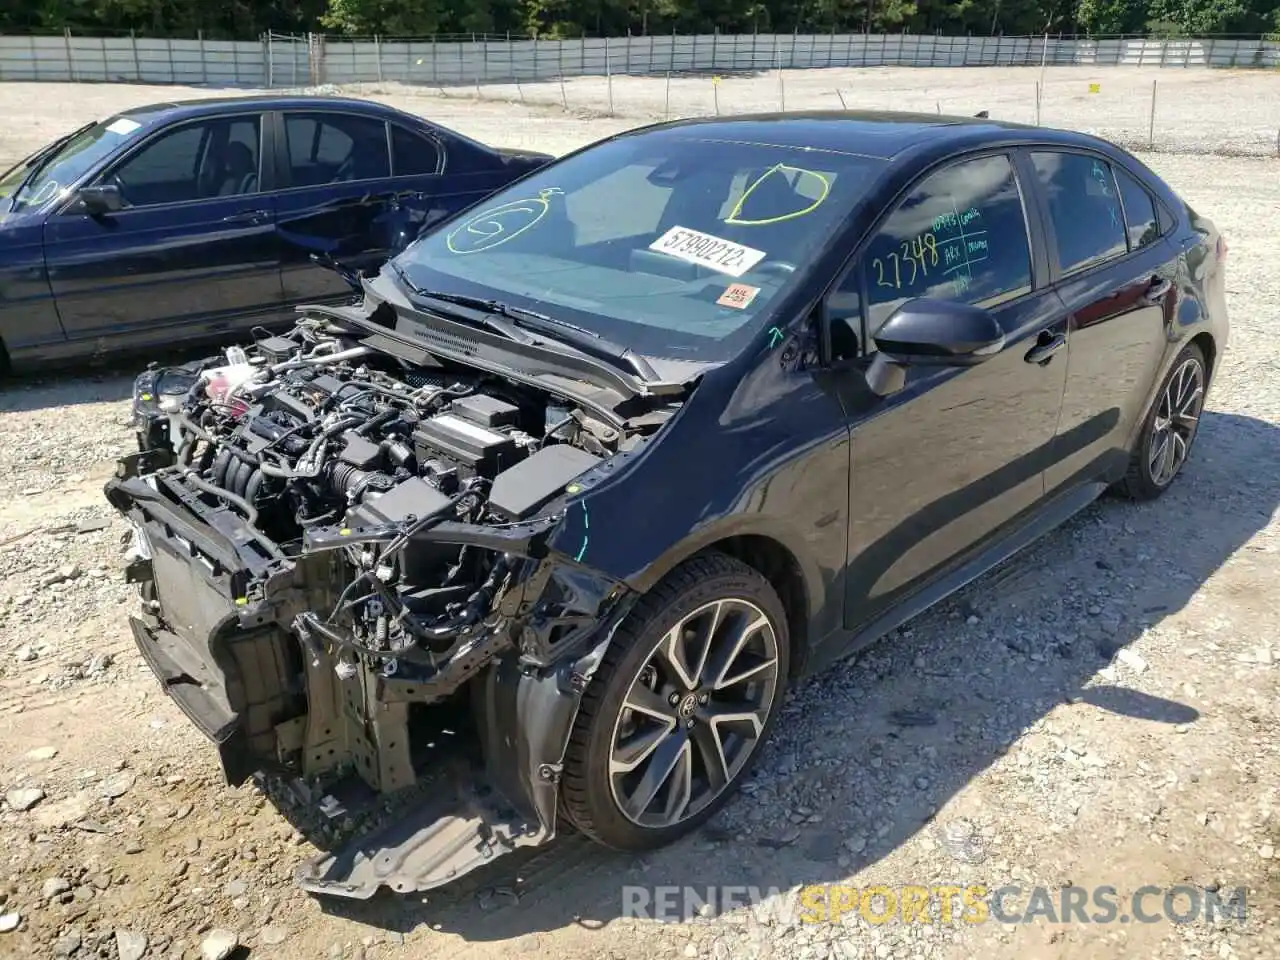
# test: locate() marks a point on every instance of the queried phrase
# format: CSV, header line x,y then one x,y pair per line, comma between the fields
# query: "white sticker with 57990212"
x,y
708,251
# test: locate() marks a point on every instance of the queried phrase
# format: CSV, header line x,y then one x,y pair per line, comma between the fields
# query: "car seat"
x,y
369,159
241,174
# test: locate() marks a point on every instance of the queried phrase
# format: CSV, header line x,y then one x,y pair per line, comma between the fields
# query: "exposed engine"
x,y
311,431
343,546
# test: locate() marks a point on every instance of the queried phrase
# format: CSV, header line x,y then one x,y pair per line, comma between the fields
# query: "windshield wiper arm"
x,y
574,336
585,340
488,314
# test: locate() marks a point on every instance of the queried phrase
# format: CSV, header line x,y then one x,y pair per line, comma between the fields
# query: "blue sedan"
x,y
182,222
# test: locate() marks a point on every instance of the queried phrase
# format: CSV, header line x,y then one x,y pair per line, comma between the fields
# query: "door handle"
x,y
1045,348
1157,289
247,216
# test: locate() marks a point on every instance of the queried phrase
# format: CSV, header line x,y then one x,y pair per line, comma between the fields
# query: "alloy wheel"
x,y
694,713
1176,421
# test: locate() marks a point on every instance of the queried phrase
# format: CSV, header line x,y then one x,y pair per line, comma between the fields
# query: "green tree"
x,y
246,19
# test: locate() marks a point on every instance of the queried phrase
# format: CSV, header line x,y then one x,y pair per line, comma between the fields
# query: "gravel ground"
x,y
1101,710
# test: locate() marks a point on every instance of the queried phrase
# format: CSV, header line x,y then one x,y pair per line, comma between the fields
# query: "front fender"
x,y
526,704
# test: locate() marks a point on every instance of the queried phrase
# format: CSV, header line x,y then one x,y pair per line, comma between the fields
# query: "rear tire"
x,y
1167,435
680,706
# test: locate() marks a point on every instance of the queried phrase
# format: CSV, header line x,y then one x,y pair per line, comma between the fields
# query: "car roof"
x,y
881,134
169,111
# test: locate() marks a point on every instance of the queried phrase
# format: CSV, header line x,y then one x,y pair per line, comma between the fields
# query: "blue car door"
x,y
337,199
358,188
192,248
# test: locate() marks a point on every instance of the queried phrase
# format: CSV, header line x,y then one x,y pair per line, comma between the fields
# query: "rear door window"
x,y
1084,208
960,234
335,148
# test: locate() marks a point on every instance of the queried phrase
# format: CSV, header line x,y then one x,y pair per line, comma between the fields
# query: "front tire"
x,y
1170,429
677,712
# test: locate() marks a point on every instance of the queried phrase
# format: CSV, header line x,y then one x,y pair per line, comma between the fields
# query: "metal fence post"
x,y
377,55
71,63
1151,128
608,74
564,95
268,59
782,88
137,67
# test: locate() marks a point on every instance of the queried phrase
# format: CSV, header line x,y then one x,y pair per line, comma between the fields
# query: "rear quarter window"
x,y
1141,219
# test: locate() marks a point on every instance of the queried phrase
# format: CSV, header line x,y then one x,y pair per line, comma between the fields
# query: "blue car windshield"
x,y
39,179
671,243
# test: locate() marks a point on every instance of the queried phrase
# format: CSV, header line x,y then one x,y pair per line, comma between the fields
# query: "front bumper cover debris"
x,y
218,629
450,832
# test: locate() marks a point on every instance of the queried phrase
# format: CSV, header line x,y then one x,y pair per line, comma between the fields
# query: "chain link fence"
x,y
1136,91
279,60
1224,112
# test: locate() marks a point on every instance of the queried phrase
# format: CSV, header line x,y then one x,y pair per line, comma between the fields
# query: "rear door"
x,y
1115,274
343,199
193,250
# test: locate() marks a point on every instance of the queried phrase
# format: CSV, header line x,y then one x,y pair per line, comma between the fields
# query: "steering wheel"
x,y
345,169
775,266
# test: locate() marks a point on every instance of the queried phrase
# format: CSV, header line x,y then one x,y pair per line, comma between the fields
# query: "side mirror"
x,y
939,333
100,198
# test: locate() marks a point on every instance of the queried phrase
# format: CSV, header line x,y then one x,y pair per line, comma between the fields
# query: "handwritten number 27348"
x,y
919,253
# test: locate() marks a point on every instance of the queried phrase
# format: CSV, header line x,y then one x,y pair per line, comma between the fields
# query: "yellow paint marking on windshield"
x,y
779,168
495,226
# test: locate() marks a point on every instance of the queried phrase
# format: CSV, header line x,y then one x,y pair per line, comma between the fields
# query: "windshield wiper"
x,y
486,308
585,340
564,332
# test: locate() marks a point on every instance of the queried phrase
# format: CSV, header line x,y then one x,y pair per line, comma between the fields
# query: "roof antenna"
x,y
983,114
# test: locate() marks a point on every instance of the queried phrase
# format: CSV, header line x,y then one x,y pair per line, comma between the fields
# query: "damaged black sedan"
x,y
593,472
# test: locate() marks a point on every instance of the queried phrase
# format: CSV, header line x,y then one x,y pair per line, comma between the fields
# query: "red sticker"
x,y
738,295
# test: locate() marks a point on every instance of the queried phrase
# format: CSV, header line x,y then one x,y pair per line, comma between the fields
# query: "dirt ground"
x,y
1101,710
